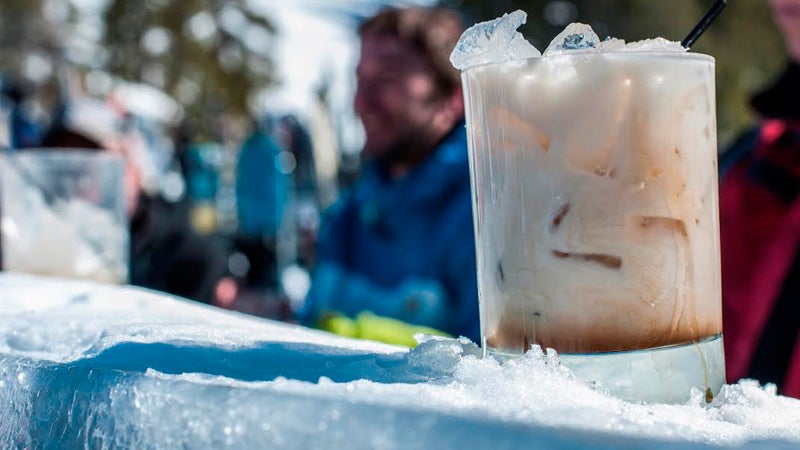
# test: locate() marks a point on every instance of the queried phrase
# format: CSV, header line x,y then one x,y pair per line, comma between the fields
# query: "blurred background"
x,y
199,80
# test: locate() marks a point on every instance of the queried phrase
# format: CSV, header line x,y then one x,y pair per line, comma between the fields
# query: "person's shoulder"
x,y
344,204
453,149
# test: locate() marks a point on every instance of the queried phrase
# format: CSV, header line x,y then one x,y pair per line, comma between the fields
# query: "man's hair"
x,y
434,32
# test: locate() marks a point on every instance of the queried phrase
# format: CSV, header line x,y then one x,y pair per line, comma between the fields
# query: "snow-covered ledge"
x,y
97,366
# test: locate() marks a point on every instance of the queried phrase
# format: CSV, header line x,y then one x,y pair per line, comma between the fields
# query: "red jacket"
x,y
760,238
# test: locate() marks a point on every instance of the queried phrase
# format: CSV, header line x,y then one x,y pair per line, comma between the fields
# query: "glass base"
x,y
659,375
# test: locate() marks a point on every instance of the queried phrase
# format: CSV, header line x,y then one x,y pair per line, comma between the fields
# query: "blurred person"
x,y
183,140
165,254
295,138
24,131
400,244
760,229
261,200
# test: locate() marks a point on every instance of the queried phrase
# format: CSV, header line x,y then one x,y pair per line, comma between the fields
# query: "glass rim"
x,y
634,54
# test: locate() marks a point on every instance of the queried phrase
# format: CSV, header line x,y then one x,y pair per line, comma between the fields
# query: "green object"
x,y
376,328
338,324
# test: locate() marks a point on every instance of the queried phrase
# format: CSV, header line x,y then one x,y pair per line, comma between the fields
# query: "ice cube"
x,y
612,45
576,38
519,133
658,44
493,41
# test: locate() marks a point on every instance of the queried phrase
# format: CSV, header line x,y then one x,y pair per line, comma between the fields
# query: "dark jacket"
x,y
760,238
167,255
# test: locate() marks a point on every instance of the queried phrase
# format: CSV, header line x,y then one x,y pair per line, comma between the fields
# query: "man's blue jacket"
x,y
403,248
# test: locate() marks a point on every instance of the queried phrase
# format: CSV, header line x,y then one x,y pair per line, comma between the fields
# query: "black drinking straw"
x,y
704,23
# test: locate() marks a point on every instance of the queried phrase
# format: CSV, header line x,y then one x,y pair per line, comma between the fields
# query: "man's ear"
x,y
452,110
457,103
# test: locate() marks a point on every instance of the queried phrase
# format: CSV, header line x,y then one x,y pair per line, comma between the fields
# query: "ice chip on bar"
x,y
658,44
493,41
576,38
612,45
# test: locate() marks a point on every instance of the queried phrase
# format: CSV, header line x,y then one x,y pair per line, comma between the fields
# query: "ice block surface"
x,y
84,365
493,41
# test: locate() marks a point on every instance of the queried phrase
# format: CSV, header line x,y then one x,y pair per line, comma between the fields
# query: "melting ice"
x,y
498,41
493,41
576,37
658,44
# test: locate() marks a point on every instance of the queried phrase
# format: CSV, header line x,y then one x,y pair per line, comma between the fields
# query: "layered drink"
x,y
595,205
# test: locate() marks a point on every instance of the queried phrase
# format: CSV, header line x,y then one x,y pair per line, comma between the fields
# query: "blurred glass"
x,y
64,214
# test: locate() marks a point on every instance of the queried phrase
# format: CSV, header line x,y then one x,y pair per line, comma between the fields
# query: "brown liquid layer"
x,y
566,338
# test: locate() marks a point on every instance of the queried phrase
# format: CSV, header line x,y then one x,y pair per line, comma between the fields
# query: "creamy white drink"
x,y
594,172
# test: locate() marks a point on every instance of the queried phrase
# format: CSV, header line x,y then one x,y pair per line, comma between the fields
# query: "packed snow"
x,y
99,366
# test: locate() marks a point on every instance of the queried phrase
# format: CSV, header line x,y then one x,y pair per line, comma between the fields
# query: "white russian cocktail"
x,y
595,204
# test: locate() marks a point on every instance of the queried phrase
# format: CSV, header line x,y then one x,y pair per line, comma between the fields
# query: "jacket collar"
x,y
446,169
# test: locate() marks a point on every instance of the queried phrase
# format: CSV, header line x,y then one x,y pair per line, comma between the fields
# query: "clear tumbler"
x,y
594,181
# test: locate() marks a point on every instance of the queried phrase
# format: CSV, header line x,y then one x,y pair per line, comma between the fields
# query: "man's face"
x,y
787,16
396,98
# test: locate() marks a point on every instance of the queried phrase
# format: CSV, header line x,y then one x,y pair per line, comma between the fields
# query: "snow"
x,y
100,366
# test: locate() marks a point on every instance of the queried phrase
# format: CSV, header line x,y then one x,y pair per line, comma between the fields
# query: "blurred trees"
x,y
744,40
27,44
209,55
22,31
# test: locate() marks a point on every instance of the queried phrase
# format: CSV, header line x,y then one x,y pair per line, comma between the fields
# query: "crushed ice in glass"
x,y
498,41
612,45
493,41
576,37
658,44
577,42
